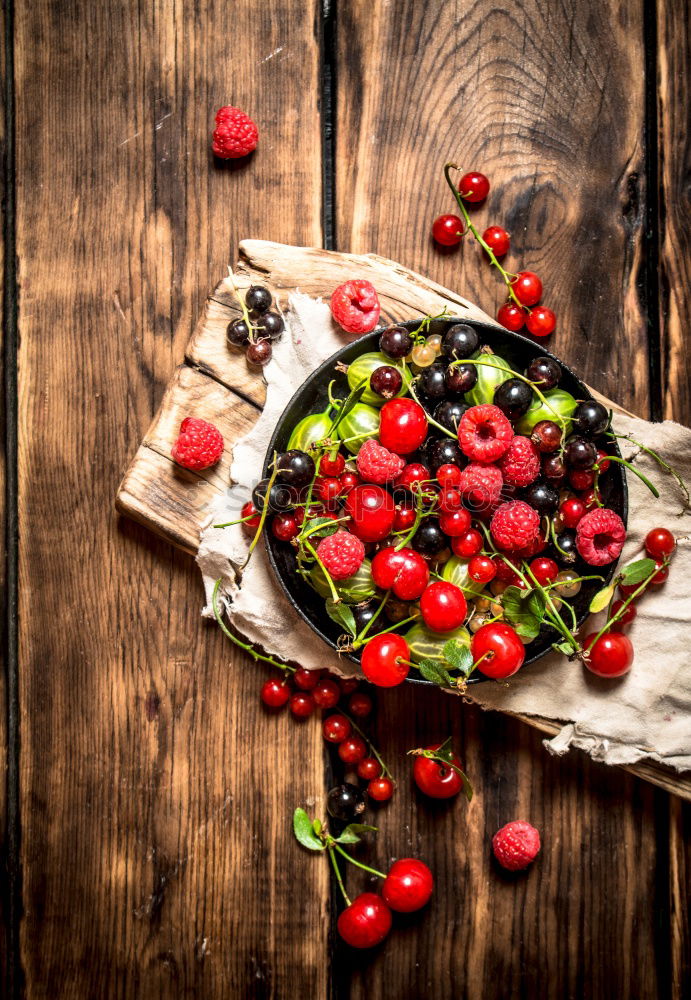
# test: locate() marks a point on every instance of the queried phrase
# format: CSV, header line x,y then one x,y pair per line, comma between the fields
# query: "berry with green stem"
x,y
275,693
369,768
447,230
473,187
544,372
258,298
527,288
511,316
352,750
541,321
380,789
498,239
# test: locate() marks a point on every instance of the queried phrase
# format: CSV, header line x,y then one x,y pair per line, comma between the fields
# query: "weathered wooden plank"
x,y
154,839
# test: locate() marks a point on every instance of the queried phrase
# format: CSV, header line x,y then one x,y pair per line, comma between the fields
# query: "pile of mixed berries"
x,y
257,326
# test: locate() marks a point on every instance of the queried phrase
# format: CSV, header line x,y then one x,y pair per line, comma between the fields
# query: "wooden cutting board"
x,y
214,382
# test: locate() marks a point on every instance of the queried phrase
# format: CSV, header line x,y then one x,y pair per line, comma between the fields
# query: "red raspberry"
x,y
199,446
515,526
355,306
377,464
484,433
481,485
235,134
520,466
341,554
516,845
600,536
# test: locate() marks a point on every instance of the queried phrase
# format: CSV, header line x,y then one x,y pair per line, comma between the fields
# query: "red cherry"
x,y
544,570
449,499
571,511
329,466
336,728
327,489
382,660
412,475
301,704
497,239
250,511
468,544
436,779
404,519
449,475
403,426
366,922
372,511
405,572
527,288
380,789
581,479
306,680
352,750
456,524
603,461
284,527
541,321
628,615
661,575
511,316
473,186
275,693
348,684
447,230
660,543
481,569
408,886
327,693
368,769
360,705
505,649
610,656
349,480
443,606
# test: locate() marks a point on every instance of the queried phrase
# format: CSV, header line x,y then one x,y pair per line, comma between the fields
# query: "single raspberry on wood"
x,y
484,433
481,485
515,526
520,466
355,306
199,446
600,536
516,845
235,134
377,464
342,554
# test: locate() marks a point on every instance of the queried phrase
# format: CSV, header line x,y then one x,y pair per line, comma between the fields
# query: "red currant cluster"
x,y
525,288
257,327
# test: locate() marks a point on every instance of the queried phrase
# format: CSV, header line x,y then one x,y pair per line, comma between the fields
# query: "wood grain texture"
x,y
155,841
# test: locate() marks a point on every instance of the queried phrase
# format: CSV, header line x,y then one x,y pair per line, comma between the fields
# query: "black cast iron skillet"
x,y
312,397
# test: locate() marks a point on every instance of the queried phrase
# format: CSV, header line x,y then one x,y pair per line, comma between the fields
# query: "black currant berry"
x,y
238,333
431,381
553,469
566,551
590,418
429,538
386,381
580,454
281,497
444,451
345,802
295,467
259,352
543,497
460,378
449,412
396,342
460,341
258,298
270,325
545,372
364,613
513,398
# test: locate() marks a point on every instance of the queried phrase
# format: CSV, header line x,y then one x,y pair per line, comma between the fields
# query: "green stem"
x,y
632,468
359,638
622,610
359,864
664,465
431,420
243,645
391,628
338,874
229,524
265,511
313,552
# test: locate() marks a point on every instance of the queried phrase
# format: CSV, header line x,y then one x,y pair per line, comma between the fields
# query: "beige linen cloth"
x,y
646,714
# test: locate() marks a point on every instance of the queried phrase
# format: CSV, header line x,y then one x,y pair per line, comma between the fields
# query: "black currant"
x,y
513,398
543,497
444,451
295,467
364,613
259,352
580,454
544,372
386,381
345,802
281,497
460,378
258,298
460,341
429,538
238,332
431,381
590,418
566,551
270,325
553,468
449,412
396,342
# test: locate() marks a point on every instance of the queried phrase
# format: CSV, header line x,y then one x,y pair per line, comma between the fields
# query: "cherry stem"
x,y
359,864
359,638
368,741
229,524
391,628
243,305
243,645
332,858
508,278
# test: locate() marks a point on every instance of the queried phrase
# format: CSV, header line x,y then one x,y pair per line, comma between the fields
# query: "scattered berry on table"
x,y
360,705
235,134
345,802
610,656
516,845
484,433
259,353
600,536
275,693
326,693
385,660
199,445
341,553
502,648
352,750
368,769
355,306
408,885
541,321
527,288
520,466
380,789
238,332
435,779
660,543
250,526
376,464
306,680
447,230
443,606
301,704
269,325
366,922
498,240
473,186
511,316
348,684
258,299
514,525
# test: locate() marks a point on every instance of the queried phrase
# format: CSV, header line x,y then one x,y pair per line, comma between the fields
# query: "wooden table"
x,y
146,826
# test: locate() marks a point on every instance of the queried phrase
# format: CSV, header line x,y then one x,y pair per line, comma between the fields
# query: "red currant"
x,y
467,545
449,500
301,704
661,575
436,779
505,651
352,750
588,499
628,615
366,922
327,489
380,789
404,519
455,524
449,475
360,705
581,479
412,475
404,572
284,527
660,543
384,660
371,509
497,239
544,570
250,511
275,693
571,510
473,186
306,680
610,656
541,321
403,426
481,569
447,230
368,769
504,571
349,480
327,693
511,316
408,886
603,460
546,436
626,590
329,466
443,606
348,684
527,288
336,728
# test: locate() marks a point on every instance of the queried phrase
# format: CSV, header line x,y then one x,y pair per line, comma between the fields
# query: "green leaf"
x,y
536,604
602,598
525,611
467,787
433,671
458,655
563,647
636,572
325,525
350,834
352,400
303,830
317,826
528,627
342,615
